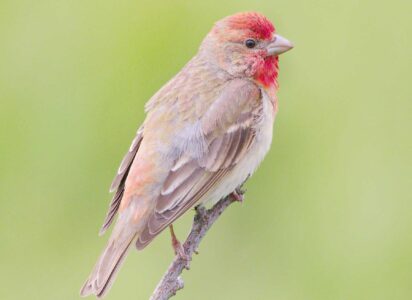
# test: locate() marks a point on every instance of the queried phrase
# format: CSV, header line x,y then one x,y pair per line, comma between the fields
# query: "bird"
x,y
205,132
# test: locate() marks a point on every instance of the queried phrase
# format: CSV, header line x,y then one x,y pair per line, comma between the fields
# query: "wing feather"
x,y
118,183
167,202
225,150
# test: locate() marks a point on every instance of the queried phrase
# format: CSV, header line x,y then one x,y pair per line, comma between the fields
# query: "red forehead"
x,y
257,24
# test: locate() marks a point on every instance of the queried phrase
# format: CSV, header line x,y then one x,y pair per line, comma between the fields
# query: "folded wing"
x,y
229,132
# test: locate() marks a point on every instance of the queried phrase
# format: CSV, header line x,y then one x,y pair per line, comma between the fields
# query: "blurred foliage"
x,y
327,216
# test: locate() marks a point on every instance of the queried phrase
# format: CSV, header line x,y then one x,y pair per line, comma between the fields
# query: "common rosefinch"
x,y
205,132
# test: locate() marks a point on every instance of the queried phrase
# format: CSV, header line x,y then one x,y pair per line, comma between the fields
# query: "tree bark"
x,y
203,220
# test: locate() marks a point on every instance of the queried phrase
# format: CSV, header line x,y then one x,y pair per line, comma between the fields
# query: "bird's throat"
x,y
267,72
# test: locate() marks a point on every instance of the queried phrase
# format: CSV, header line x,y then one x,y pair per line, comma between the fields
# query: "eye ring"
x,y
250,43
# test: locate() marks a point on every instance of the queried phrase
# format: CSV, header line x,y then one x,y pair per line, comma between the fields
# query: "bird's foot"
x,y
237,195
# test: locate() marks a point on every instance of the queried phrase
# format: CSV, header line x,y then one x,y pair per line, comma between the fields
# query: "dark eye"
x,y
250,43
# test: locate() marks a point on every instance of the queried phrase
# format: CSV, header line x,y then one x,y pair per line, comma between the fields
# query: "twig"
x,y
203,220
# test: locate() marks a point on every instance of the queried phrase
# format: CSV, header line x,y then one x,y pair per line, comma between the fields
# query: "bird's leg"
x,y
178,248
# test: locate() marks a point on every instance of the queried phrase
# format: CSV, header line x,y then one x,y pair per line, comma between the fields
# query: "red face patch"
x,y
267,72
258,25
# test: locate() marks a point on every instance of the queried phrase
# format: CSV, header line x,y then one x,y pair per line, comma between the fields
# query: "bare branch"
x,y
203,220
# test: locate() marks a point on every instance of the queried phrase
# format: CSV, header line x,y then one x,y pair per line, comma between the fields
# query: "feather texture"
x,y
120,179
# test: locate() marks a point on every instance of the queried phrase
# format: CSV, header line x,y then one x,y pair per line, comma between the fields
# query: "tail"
x,y
104,272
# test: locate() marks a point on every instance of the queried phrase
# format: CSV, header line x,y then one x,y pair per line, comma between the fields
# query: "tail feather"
x,y
104,272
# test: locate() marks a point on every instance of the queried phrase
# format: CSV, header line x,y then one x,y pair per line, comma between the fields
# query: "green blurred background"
x,y
327,216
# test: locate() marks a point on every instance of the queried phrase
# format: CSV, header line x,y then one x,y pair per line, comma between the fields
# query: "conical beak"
x,y
279,45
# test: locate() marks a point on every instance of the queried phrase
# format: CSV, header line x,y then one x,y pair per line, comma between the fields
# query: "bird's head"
x,y
246,44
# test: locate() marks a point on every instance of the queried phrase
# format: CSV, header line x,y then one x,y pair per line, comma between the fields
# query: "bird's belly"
x,y
250,162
